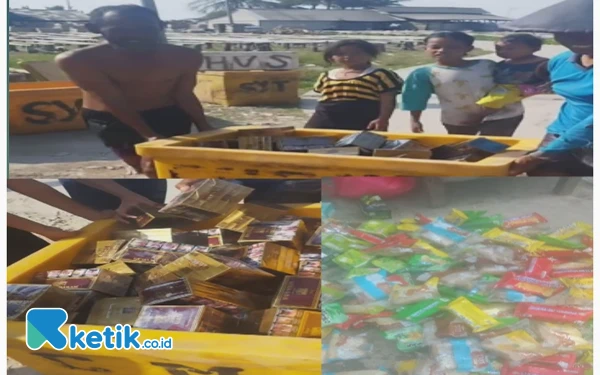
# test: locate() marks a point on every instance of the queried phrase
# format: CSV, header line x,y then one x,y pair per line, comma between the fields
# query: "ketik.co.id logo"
x,y
43,326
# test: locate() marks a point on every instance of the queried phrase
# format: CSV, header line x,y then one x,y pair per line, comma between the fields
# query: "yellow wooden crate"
x,y
248,88
180,157
43,107
192,353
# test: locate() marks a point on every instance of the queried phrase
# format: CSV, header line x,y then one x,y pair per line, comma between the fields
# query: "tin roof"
x,y
434,10
45,15
321,15
567,16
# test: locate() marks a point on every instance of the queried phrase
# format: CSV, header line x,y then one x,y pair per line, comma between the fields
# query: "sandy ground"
x,y
81,155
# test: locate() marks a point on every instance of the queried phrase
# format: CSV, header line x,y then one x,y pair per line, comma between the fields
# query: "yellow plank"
x,y
251,88
43,108
180,157
193,353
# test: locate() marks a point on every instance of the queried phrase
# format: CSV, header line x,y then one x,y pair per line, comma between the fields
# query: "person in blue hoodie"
x,y
567,148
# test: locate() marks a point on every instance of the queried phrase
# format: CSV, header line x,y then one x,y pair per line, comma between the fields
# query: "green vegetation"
x,y
16,58
312,63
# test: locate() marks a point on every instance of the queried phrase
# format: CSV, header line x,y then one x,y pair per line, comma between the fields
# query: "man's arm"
x,y
185,97
46,194
95,82
578,136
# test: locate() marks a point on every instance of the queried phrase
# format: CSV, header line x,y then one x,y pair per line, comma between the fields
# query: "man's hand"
x,y
147,167
56,234
133,203
186,185
416,126
525,164
379,125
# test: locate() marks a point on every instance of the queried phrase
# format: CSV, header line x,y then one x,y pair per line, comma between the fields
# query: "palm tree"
x,y
207,7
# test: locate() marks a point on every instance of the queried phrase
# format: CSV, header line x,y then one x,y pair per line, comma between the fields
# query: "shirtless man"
x,y
134,86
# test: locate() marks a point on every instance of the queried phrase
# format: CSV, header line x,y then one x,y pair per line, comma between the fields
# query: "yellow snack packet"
x,y
579,293
408,227
517,346
406,367
476,318
587,357
572,230
511,239
562,337
584,283
501,96
456,217
420,244
405,295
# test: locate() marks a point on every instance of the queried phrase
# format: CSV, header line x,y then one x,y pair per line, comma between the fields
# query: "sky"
x,y
177,9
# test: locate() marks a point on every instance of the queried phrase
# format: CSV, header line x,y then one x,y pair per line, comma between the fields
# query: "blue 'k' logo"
x,y
43,325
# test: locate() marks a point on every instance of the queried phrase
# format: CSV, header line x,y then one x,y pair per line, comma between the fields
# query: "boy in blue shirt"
x,y
567,148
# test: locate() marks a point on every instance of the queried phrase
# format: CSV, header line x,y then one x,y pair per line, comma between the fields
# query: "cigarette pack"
x,y
349,151
230,251
303,144
286,233
95,279
207,199
112,311
138,253
375,208
273,257
186,292
82,305
315,240
283,322
310,265
364,140
102,253
207,237
261,139
185,318
157,234
201,267
249,213
118,267
471,151
298,292
145,215
404,148
22,297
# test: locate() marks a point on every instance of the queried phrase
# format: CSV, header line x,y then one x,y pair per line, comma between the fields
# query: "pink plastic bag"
x,y
385,187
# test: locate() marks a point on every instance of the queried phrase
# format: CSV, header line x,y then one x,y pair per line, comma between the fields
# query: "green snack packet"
x,y
338,242
507,321
561,243
488,279
422,310
332,292
454,293
391,265
333,314
357,272
410,338
374,207
428,263
352,259
378,227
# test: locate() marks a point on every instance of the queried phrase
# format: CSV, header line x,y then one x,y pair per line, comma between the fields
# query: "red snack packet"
x,y
422,219
398,240
587,241
544,287
530,369
354,322
524,221
539,267
364,235
560,360
557,314
576,273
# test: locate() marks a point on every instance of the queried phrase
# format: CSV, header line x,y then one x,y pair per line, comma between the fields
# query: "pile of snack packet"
x,y
364,143
257,271
470,292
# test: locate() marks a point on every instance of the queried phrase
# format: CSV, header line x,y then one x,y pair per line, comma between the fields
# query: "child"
x,y
521,75
458,84
357,96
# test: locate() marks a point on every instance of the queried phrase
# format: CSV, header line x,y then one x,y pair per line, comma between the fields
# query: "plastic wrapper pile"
x,y
468,292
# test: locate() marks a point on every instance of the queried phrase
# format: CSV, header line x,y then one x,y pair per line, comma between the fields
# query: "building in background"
x,y
46,20
447,18
311,20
